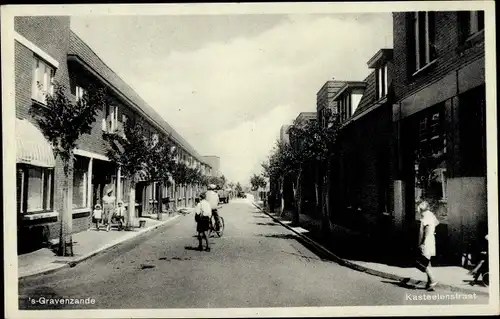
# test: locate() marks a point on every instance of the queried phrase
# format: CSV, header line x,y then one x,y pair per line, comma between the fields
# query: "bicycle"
x,y
216,225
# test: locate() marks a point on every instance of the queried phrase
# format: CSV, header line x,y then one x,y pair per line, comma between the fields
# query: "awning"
x,y
31,146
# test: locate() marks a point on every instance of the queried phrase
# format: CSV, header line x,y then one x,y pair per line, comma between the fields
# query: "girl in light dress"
x,y
427,242
97,215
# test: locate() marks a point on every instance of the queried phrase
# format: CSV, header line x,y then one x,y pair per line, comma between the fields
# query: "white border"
x,y
30,45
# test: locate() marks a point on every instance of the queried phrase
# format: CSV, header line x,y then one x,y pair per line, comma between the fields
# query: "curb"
x,y
96,252
378,273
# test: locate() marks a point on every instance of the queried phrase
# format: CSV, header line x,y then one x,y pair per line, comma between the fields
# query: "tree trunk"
x,y
65,236
159,203
131,206
298,200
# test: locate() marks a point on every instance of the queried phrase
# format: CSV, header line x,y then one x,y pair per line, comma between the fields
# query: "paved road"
x,y
256,263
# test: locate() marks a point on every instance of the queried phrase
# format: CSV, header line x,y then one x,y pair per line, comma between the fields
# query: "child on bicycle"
x,y
203,212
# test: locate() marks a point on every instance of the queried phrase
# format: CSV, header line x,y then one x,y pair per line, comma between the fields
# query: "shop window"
x,y
80,182
34,189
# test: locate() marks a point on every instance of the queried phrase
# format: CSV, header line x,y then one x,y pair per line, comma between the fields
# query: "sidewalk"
x,y
449,277
85,245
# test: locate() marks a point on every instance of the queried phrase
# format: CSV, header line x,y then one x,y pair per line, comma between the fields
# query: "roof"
x,y
369,96
331,84
306,115
347,85
79,48
382,56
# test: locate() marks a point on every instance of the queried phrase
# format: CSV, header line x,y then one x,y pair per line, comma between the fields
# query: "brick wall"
x,y
50,34
451,54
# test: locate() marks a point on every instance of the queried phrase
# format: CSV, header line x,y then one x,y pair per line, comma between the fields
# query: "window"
x,y
471,22
79,92
111,119
124,119
34,189
430,158
80,182
381,81
154,138
43,80
423,38
125,189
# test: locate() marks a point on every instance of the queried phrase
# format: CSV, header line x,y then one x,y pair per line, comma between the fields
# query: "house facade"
x,y
439,125
359,192
48,51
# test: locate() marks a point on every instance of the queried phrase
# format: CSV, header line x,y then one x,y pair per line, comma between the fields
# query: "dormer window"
x,y
381,81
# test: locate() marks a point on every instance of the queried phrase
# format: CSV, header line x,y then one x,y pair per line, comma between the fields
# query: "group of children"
x,y
105,217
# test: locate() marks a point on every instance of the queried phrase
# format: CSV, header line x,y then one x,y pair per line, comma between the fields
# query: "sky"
x,y
227,83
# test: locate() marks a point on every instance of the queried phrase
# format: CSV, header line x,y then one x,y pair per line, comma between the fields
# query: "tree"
x,y
257,182
310,146
238,188
160,164
130,152
63,122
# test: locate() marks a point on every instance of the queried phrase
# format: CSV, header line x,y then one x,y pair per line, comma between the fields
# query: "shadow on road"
x,y
267,224
280,236
260,216
403,284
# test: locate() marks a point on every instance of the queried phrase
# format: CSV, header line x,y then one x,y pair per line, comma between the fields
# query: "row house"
x,y
438,120
308,177
414,130
358,194
46,52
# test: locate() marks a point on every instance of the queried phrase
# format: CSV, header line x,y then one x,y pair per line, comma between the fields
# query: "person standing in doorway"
x,y
427,242
108,201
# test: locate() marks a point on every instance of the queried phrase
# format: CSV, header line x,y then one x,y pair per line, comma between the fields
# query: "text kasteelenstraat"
x,y
439,296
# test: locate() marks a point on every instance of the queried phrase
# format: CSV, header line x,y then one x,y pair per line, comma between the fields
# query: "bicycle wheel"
x,y
220,229
486,279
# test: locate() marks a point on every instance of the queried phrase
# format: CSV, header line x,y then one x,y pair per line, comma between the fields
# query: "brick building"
x,y
326,106
439,125
214,162
46,50
360,192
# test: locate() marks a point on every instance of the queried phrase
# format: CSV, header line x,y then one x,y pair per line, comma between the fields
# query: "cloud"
x,y
223,94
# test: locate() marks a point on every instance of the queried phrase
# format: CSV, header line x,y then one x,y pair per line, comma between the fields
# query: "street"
x,y
256,263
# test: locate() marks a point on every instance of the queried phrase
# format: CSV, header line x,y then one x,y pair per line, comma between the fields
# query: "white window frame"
x,y
473,21
113,119
155,138
79,92
47,87
381,76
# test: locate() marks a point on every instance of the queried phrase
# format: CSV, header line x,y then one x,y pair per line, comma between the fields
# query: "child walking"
x,y
97,215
